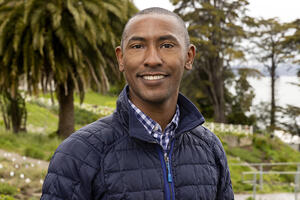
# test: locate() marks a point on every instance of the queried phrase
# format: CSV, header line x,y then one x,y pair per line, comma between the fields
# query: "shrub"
x,y
7,189
84,117
5,197
34,152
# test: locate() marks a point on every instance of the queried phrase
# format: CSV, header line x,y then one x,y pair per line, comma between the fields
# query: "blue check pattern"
x,y
154,129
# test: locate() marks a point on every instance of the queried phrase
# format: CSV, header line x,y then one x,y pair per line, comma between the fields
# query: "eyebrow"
x,y
168,37
136,38
161,38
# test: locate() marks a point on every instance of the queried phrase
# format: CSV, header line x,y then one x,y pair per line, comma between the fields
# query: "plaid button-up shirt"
x,y
154,129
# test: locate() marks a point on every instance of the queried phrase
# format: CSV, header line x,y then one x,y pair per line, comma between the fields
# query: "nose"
x,y
152,57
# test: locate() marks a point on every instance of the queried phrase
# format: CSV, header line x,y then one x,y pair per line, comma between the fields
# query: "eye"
x,y
167,45
137,46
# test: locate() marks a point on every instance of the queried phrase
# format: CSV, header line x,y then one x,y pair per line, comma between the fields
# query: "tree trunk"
x,y
219,105
66,110
273,100
216,89
15,115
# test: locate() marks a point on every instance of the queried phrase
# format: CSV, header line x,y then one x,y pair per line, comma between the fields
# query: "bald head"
x,y
158,11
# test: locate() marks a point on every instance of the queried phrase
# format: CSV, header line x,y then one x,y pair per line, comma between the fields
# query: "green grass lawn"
x,y
93,98
263,150
41,119
33,145
98,99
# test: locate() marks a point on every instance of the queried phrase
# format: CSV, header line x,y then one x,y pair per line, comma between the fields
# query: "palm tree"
x,y
59,45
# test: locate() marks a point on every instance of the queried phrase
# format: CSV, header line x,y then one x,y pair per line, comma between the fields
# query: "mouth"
x,y
153,77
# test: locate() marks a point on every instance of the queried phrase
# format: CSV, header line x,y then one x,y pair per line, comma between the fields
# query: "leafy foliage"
x,y
269,42
52,40
292,42
5,188
290,119
60,44
241,101
214,27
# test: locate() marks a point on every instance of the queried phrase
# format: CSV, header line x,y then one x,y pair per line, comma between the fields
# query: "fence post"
x,y
254,186
222,127
212,126
297,182
251,130
261,177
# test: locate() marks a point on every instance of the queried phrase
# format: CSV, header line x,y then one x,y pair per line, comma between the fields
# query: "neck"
x,y
162,113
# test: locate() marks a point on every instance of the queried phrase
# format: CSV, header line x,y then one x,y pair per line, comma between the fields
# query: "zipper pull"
x,y
168,169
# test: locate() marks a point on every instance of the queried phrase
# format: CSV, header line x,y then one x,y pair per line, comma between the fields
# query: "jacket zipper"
x,y
169,174
166,164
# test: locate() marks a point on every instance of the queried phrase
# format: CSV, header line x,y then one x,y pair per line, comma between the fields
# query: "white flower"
x,y
27,180
12,173
24,157
13,159
16,166
32,165
22,176
1,166
2,180
39,162
41,182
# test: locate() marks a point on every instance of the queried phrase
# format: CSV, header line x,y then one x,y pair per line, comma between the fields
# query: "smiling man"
x,y
153,147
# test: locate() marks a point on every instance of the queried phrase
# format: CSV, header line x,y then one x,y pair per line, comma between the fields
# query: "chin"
x,y
155,98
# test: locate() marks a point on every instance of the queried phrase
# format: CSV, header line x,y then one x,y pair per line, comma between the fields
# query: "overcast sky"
x,y
285,10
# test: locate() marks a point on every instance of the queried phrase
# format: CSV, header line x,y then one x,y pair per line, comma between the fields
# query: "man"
x,y
153,146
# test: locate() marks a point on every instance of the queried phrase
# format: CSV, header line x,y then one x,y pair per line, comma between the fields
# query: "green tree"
x,y
291,115
271,52
59,45
215,28
241,102
290,119
292,42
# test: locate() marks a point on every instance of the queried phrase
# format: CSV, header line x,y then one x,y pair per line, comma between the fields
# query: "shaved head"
x,y
158,11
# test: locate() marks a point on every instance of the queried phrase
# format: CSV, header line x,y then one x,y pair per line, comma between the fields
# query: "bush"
x,y
252,156
7,189
34,152
5,197
84,117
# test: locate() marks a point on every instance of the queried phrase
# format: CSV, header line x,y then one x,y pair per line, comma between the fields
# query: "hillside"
x,y
42,123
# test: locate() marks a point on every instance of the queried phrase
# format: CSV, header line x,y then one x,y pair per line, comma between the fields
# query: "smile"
x,y
153,77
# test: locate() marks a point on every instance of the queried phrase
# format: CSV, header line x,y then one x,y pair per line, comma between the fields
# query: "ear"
x,y
190,57
119,55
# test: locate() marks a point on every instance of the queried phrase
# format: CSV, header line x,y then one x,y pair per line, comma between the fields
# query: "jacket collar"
x,y
190,117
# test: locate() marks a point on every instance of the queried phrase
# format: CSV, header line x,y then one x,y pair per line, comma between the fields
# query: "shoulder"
x,y
88,143
78,159
210,139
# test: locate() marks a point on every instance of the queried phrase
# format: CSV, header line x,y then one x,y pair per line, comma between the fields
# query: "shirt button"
x,y
155,127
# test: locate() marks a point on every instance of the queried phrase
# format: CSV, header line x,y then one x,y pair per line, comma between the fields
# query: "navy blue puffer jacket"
x,y
115,158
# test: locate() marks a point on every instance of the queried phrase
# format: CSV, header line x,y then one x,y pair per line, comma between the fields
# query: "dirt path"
x,y
277,196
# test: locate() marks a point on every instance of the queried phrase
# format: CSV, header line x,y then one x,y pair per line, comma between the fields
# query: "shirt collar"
x,y
151,125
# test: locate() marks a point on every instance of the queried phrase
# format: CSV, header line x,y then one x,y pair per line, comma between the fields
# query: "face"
x,y
153,58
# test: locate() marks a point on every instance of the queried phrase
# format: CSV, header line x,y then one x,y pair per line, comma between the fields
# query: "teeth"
x,y
156,77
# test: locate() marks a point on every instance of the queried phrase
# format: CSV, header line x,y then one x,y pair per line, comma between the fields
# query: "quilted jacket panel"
x,y
115,159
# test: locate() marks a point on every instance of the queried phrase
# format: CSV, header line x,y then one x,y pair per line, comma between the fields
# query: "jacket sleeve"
x,y
225,191
72,170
